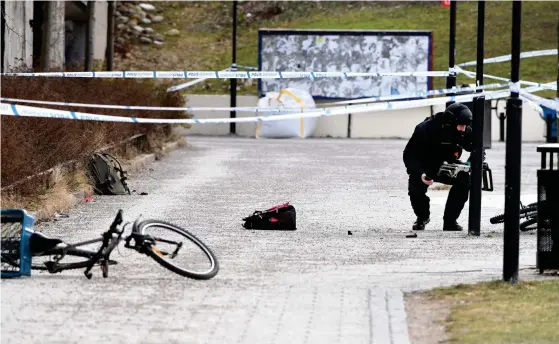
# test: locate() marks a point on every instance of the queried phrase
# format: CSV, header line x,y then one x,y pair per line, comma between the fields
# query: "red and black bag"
x,y
281,217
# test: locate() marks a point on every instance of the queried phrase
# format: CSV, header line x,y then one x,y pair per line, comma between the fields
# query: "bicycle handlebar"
x,y
117,221
108,242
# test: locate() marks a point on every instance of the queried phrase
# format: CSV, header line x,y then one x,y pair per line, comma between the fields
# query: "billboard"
x,y
346,51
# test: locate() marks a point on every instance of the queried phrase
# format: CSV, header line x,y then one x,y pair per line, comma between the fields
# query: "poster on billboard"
x,y
346,51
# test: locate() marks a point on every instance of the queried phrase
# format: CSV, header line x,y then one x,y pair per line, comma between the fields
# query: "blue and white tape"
x,y
509,57
194,82
254,109
190,83
549,103
472,75
515,87
28,111
245,67
420,94
225,74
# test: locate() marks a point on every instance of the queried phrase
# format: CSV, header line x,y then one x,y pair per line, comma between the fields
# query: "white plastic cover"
x,y
289,98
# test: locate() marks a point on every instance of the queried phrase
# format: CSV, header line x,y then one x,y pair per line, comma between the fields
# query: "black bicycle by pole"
x,y
528,212
164,242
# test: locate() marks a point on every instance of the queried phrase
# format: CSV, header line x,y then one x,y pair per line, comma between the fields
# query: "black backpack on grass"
x,y
107,174
281,217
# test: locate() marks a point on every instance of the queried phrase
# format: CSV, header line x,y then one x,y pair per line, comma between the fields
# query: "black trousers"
x,y
457,197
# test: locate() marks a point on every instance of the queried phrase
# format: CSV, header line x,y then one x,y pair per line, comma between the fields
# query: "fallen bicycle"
x,y
20,243
528,212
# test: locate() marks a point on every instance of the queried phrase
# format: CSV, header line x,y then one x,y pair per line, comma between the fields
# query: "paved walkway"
x,y
314,285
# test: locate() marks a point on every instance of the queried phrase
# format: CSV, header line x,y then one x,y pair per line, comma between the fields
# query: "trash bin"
x,y
552,122
486,118
548,203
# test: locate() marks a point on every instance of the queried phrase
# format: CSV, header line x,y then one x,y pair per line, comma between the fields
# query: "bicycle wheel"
x,y
178,250
529,211
529,224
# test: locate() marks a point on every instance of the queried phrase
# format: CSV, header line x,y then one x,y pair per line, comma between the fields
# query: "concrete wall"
x,y
76,39
100,30
18,52
382,124
56,42
67,40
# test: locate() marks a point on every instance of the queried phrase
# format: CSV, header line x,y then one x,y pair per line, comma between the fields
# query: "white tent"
x,y
287,98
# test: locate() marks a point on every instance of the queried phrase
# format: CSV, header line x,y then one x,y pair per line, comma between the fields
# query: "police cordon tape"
x,y
420,94
243,67
255,109
190,83
509,57
224,74
472,75
194,82
551,104
231,73
28,111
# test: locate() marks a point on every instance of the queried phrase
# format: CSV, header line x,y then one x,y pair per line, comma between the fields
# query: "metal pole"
x,y
474,220
89,36
349,124
502,127
233,91
109,51
451,79
513,156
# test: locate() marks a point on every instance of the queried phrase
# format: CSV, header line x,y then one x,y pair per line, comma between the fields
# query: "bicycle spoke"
x,y
179,250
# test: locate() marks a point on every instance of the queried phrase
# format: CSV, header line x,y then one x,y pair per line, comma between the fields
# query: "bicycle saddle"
x,y
39,242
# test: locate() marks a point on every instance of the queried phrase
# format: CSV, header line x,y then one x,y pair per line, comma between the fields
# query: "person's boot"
x,y
452,227
419,224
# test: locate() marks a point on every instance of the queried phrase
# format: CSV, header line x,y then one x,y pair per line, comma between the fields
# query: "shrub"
x,y
31,145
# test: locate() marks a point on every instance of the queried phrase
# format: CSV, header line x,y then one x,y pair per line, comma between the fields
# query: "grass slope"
x,y
206,34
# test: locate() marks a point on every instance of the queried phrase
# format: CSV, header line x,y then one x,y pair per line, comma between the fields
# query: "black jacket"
x,y
433,143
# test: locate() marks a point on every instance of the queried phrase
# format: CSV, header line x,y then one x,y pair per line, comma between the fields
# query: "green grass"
x,y
205,41
498,312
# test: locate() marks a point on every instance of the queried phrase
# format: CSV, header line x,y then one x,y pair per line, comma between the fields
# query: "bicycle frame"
x,y
74,250
145,242
110,240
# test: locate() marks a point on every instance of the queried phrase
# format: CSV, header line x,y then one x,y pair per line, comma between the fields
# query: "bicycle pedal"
x,y
51,266
161,253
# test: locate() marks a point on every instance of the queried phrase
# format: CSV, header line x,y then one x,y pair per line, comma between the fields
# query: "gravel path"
x,y
314,285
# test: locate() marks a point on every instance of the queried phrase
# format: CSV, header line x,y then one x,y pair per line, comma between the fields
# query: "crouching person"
x,y
438,139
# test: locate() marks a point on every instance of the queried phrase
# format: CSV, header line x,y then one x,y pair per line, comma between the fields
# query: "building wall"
x,y
100,30
18,52
382,124
57,37
76,39
67,37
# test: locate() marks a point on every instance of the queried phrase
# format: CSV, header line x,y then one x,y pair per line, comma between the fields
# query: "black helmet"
x,y
458,114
